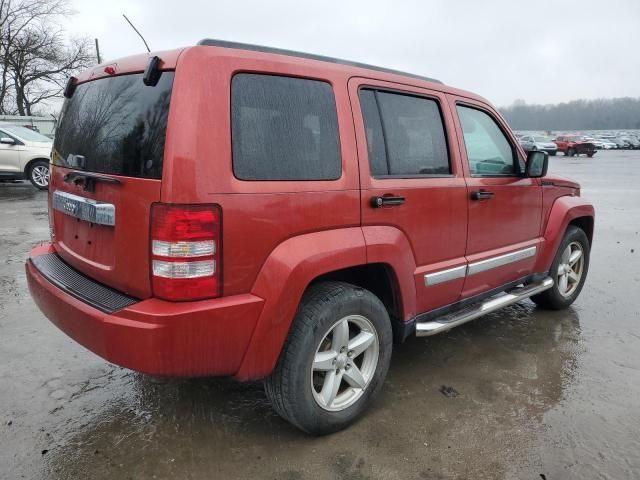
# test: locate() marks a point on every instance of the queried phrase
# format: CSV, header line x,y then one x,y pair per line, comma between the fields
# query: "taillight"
x,y
185,251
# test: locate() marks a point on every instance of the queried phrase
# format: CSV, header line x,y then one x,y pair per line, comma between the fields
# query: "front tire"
x,y
568,270
39,174
335,358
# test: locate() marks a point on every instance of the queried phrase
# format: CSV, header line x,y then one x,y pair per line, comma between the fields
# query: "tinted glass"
x,y
115,125
283,129
375,138
412,130
488,150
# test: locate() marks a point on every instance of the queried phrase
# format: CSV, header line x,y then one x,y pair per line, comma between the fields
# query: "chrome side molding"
x,y
499,261
84,208
442,276
447,322
445,275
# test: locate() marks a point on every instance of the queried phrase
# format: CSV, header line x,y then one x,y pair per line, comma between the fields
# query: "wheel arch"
x,y
27,166
381,280
586,224
299,262
566,210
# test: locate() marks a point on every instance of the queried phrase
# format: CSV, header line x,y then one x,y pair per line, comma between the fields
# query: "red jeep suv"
x,y
235,210
572,145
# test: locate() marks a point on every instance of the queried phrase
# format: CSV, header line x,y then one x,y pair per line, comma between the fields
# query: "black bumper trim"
x,y
63,276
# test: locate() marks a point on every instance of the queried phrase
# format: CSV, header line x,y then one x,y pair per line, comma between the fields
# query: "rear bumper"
x,y
153,336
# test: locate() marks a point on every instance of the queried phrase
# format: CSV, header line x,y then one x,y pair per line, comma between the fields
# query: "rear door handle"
x,y
386,201
482,195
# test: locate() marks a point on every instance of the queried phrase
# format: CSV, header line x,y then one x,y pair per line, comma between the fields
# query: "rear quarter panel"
x,y
257,215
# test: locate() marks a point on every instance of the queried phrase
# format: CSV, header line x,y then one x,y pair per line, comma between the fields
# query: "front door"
x,y
412,184
504,207
10,154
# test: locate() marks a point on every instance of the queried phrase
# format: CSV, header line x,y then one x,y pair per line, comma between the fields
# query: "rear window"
x,y
283,128
115,125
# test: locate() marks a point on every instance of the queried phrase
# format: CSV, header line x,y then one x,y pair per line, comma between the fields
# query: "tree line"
x,y
600,114
36,56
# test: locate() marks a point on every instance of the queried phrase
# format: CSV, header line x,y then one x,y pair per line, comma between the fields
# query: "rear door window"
x,y
405,135
115,125
283,128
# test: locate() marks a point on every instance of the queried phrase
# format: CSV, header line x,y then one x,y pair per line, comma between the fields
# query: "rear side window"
x,y
405,135
115,125
283,128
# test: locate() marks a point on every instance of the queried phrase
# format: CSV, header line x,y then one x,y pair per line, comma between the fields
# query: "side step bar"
x,y
447,322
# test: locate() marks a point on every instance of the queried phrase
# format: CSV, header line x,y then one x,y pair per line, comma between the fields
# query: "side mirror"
x,y
537,164
7,141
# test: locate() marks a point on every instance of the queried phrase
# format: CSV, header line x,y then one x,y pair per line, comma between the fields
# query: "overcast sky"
x,y
540,51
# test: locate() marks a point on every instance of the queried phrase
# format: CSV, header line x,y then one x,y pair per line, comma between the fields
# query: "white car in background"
x,y
605,144
24,154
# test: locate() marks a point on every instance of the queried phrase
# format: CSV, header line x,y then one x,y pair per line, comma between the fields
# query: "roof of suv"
x,y
210,42
169,60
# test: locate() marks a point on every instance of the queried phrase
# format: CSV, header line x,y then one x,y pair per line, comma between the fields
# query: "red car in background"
x,y
572,145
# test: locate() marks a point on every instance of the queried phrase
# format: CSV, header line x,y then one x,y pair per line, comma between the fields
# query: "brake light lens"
x,y
185,251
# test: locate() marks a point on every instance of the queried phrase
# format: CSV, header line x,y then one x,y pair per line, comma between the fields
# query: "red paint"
x,y
574,143
278,236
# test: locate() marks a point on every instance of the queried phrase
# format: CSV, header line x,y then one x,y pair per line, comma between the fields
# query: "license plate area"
x,y
87,209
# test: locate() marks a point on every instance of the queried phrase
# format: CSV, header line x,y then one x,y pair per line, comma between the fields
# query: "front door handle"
x,y
482,195
386,201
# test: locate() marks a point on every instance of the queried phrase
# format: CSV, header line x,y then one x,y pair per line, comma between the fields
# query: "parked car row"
x,y
538,142
574,144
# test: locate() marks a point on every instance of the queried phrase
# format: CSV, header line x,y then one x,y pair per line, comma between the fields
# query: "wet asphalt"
x,y
522,393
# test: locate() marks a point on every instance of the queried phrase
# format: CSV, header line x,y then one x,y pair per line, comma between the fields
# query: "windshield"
x,y
541,139
115,125
24,133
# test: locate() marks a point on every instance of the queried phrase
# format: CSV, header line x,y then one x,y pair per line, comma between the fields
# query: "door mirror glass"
x,y
7,141
537,164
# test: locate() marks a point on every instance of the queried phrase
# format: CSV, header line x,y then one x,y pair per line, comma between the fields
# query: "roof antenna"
x,y
136,30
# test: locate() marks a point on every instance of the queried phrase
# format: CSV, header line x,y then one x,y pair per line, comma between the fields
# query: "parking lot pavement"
x,y
518,394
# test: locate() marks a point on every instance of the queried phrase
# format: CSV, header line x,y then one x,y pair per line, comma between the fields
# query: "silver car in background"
x,y
24,154
538,142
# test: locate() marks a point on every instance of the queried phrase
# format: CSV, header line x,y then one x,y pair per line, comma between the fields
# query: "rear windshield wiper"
x,y
88,180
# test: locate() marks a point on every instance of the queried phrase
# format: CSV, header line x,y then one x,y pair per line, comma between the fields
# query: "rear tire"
x,y
321,353
39,174
568,270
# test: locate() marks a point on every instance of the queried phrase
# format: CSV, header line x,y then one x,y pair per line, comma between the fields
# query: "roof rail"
x,y
292,53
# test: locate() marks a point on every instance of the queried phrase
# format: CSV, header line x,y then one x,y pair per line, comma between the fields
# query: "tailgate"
x,y
116,255
107,161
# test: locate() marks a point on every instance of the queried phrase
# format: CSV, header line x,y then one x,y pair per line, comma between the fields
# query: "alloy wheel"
x,y
570,269
344,363
40,175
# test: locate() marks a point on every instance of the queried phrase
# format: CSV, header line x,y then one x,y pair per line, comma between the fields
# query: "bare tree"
x,y
35,56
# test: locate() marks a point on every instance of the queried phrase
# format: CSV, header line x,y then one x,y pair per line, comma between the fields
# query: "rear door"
x,y
505,208
407,163
107,168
